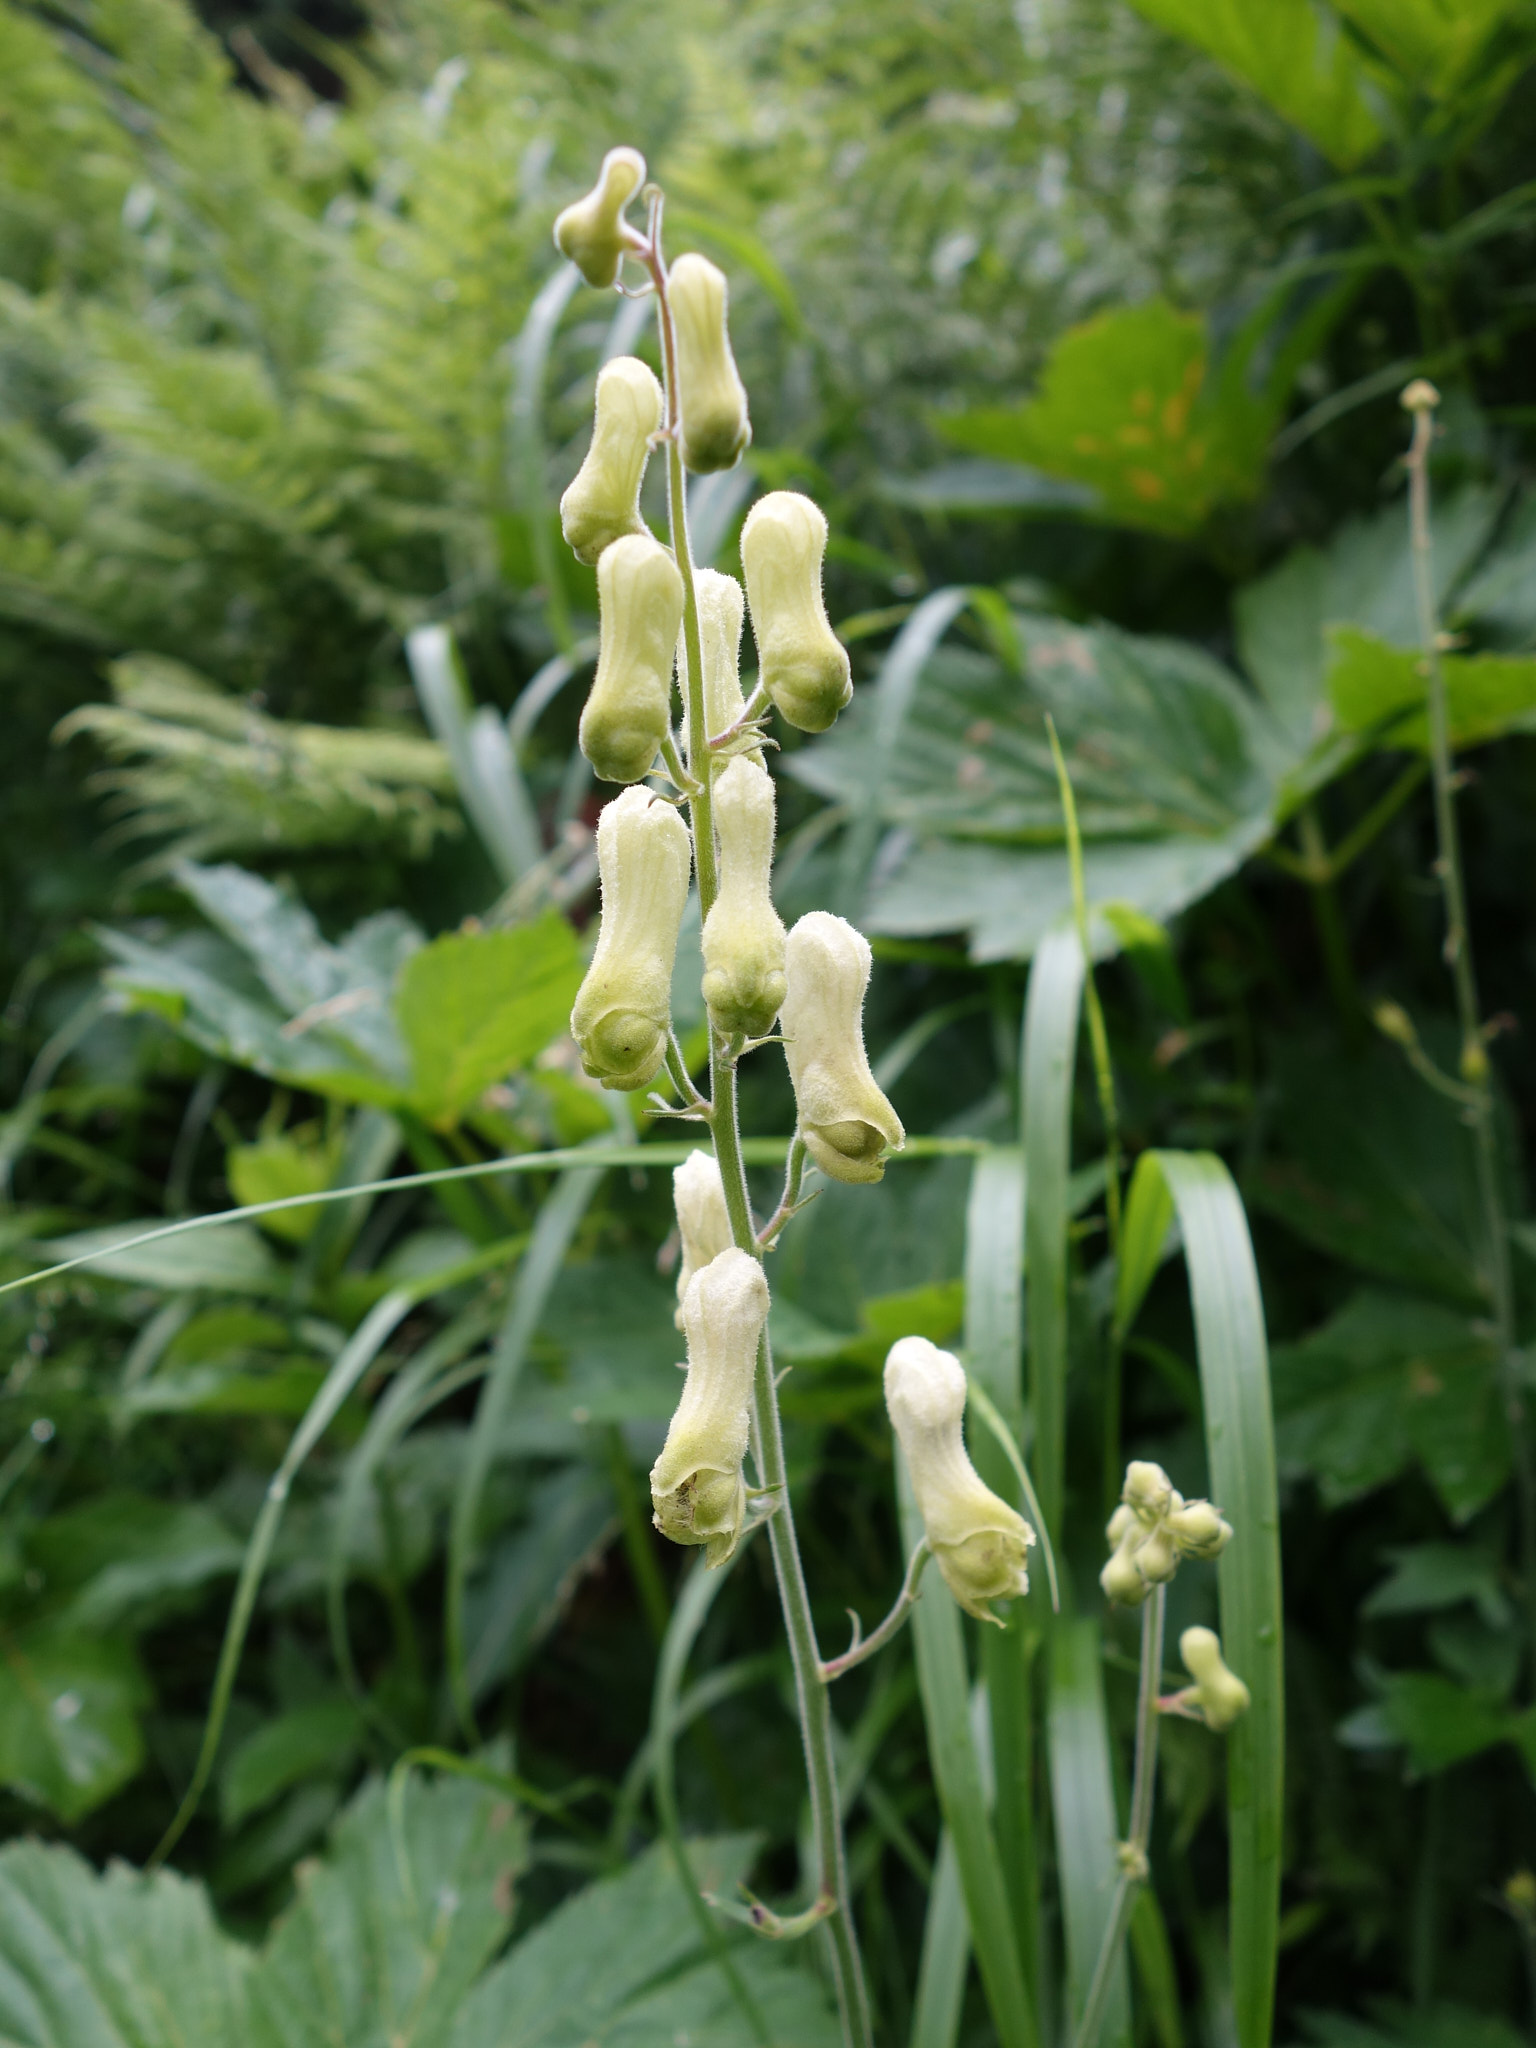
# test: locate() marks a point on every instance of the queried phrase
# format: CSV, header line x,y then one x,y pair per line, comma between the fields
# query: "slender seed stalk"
x,y
1421,399
722,1117
1133,1851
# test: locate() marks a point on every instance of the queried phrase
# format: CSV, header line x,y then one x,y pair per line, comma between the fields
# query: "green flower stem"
x,y
1458,954
1133,1851
768,1438
864,1646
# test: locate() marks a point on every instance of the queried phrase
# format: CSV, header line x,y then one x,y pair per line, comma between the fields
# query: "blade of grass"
x,y
994,1341
528,482
558,1221
754,1152
1152,1953
490,783
946,1956
1240,1447
939,1646
1148,1213
1048,1062
894,689
351,1363
1087,1830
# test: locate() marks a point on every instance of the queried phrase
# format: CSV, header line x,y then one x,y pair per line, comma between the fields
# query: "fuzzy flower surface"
x,y
713,399
628,712
802,663
703,1221
845,1120
1152,1530
697,1489
743,938
722,611
602,501
980,1543
623,1009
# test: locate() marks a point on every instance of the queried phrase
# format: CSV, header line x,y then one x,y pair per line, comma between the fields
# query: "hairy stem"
x,y
1458,955
768,1439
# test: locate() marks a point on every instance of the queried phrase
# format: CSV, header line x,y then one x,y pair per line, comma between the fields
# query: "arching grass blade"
x,y
1087,1829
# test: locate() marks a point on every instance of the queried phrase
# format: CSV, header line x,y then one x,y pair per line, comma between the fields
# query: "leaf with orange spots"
x,y
1126,408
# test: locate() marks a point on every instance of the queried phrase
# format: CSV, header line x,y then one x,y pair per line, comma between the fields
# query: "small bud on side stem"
x,y
743,939
697,1489
593,232
628,712
715,426
602,502
980,1543
1218,1694
802,663
623,1009
846,1122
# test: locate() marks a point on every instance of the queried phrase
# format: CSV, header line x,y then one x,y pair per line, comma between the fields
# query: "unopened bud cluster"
x,y
1152,1529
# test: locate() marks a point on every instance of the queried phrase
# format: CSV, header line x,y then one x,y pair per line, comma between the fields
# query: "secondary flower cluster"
x,y
1152,1529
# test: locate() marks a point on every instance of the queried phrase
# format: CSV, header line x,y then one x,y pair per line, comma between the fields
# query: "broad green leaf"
x,y
121,1559
1087,1830
295,1162
388,1935
281,1387
230,1258
473,1007
1393,1378
620,1964
1124,409
1174,766
1374,1168
69,1718
1294,55
1378,691
114,1960
1429,1576
1438,1722
303,1743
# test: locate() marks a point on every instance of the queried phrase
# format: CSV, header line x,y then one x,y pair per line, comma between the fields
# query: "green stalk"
x,y
768,1437
1133,1855
1421,399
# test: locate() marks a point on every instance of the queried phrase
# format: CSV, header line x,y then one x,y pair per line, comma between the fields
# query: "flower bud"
x,y
1219,1693
844,1119
711,396
1148,1491
697,1489
593,232
979,1542
1120,1523
628,712
1156,1558
602,501
1198,1530
1120,1579
721,608
703,1221
802,663
624,1006
743,936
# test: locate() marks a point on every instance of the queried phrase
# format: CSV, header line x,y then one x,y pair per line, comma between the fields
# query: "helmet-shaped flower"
x,y
703,1221
846,1122
801,662
979,1542
628,712
623,1008
602,501
711,396
697,1490
743,938
593,232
